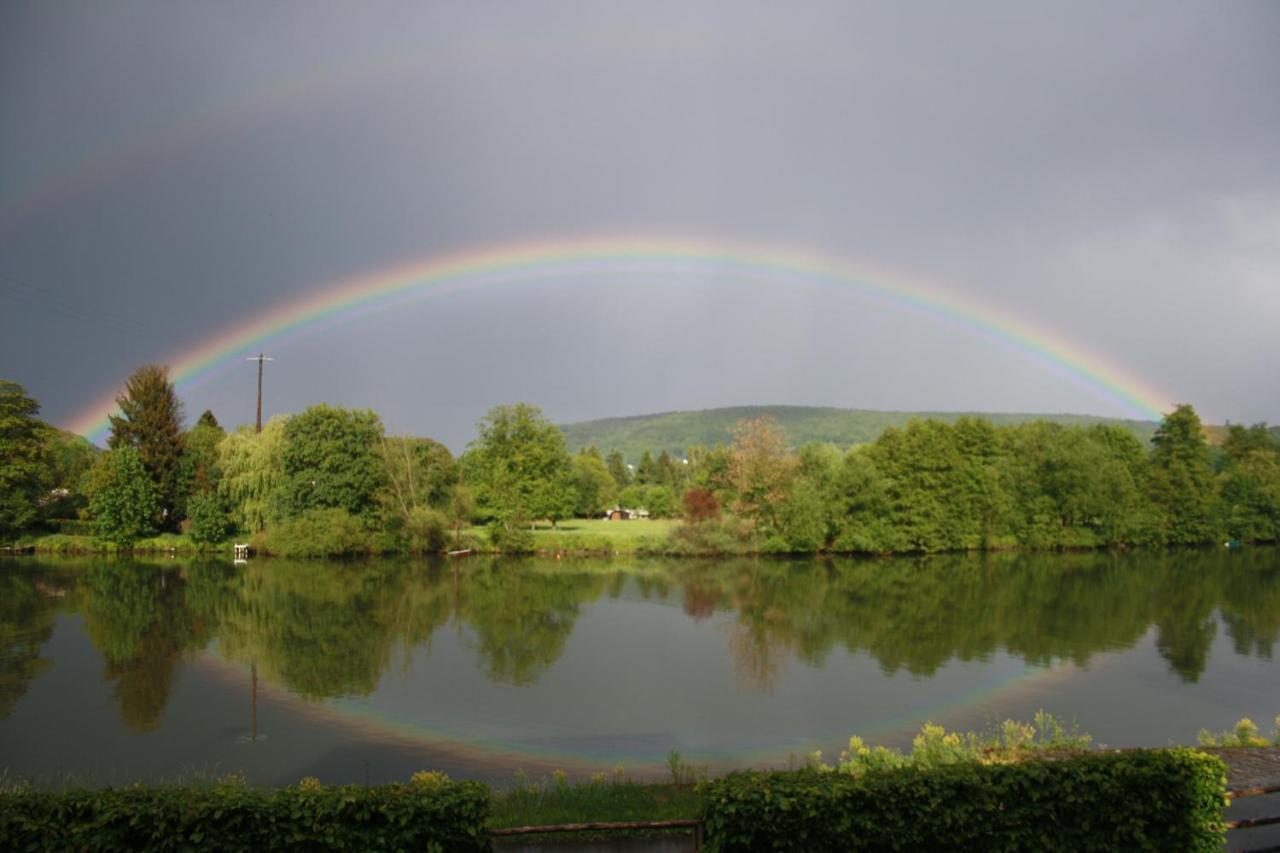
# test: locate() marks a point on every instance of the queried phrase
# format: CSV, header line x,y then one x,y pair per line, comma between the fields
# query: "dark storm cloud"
x,y
1105,170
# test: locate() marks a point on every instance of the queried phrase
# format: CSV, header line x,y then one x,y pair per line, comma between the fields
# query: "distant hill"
x,y
674,431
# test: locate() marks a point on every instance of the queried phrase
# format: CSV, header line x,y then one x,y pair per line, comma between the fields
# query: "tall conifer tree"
x,y
150,421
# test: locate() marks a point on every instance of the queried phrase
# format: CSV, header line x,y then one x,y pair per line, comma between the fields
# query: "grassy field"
x,y
623,531
592,534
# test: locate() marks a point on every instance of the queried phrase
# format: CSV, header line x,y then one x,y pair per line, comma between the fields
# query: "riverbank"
x,y
571,538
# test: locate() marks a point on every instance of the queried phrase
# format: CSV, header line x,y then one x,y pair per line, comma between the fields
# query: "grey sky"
x,y
1109,171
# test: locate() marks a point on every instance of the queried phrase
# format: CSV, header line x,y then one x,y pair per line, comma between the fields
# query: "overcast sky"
x,y
1108,171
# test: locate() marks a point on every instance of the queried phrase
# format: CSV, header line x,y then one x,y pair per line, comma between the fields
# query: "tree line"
x,y
329,480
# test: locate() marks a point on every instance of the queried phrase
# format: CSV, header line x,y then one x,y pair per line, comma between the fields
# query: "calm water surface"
x,y
113,671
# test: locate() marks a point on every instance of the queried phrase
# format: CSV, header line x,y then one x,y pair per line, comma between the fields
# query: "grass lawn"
x,y
592,534
621,530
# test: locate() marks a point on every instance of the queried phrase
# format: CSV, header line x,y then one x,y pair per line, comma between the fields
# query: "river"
x,y
113,671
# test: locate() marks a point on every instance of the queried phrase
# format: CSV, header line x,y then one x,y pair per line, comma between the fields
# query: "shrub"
x,y
443,816
122,498
1245,733
424,530
510,537
208,518
725,535
316,533
1144,800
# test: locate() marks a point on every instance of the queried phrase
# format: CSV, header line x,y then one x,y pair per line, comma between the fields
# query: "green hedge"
x,y
1157,800
443,818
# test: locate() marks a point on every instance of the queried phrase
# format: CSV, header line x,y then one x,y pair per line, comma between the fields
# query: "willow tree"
x,y
252,474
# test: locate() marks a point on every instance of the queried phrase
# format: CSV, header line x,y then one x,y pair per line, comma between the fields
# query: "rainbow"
x,y
489,755
595,259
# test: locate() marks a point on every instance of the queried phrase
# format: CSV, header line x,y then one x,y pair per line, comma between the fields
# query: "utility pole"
x,y
257,424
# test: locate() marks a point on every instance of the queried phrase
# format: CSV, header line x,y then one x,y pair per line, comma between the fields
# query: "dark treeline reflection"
x,y
331,629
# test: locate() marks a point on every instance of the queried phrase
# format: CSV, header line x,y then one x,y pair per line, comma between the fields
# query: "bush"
x,y
208,518
510,537
316,533
424,530
725,535
1145,800
441,816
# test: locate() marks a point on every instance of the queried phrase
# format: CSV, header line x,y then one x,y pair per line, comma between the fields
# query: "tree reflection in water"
x,y
324,629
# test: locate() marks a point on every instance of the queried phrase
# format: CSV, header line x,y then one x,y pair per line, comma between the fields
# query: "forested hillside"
x,y
676,431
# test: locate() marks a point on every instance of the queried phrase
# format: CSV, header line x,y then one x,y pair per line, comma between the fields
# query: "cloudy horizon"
x,y
1103,172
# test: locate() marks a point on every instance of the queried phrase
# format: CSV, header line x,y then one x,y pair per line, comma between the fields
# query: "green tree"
x,y
253,479
665,471
23,472
594,486
646,471
122,497
1240,441
618,469
208,517
519,467
331,459
150,421
661,502
418,472
460,510
1182,485
200,468
802,522
1251,496
68,458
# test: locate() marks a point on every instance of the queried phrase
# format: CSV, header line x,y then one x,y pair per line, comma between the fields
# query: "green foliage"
x,y
1250,488
1147,800
122,498
150,422
68,458
618,469
425,530
1182,483
934,746
200,469
331,460
519,469
661,502
230,816
803,518
511,536
594,487
23,473
418,472
253,478
331,532
208,518
1245,733
712,537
